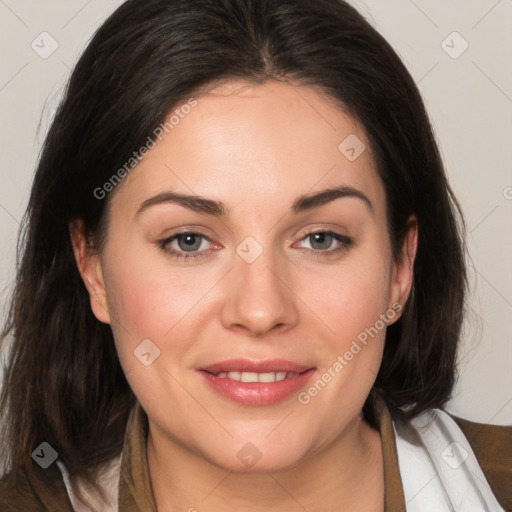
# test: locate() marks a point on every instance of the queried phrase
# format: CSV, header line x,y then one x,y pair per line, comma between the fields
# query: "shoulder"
x,y
492,446
19,492
472,461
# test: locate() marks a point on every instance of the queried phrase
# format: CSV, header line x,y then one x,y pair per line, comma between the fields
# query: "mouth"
x,y
256,377
259,383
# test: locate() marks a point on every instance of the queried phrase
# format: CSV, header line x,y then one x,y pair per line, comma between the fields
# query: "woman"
x,y
242,280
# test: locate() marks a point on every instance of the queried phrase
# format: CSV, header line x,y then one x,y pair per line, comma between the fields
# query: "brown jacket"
x,y
492,445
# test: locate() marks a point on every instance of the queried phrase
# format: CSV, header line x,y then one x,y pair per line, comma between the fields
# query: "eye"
x,y
188,243
323,241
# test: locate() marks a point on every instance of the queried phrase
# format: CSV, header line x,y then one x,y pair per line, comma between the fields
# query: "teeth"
x,y
268,377
246,376
256,377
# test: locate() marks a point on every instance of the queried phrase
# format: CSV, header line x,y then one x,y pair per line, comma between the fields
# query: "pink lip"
x,y
257,393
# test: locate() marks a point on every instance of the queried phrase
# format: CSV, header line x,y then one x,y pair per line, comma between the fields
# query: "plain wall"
x,y
468,96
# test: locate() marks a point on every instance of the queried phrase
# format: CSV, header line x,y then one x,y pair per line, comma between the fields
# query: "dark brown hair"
x,y
63,383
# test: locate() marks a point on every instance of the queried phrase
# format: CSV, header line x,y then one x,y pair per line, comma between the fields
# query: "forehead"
x,y
247,145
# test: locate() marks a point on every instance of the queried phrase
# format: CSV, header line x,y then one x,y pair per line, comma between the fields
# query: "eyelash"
x,y
345,241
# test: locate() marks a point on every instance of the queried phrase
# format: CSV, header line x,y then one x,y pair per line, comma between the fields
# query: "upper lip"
x,y
248,365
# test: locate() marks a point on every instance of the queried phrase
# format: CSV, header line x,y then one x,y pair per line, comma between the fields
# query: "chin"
x,y
257,457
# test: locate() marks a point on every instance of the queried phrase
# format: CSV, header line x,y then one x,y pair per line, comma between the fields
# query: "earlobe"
x,y
403,267
90,269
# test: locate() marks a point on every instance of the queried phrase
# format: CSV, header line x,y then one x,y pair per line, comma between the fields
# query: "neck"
x,y
346,474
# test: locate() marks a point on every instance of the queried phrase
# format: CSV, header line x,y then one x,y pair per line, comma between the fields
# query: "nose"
x,y
259,297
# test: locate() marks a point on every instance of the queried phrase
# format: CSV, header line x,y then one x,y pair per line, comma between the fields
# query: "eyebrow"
x,y
206,206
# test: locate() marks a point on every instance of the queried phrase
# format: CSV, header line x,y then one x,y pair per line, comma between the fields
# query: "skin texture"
x,y
256,148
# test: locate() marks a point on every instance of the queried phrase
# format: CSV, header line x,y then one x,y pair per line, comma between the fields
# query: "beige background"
x,y
468,97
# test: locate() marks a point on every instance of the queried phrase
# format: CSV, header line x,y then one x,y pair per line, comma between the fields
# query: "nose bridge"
x,y
259,299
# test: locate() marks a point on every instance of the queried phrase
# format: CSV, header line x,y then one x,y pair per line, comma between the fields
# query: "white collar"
x,y
438,468
109,479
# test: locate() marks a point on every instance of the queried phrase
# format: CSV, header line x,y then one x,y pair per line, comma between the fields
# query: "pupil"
x,y
320,237
190,241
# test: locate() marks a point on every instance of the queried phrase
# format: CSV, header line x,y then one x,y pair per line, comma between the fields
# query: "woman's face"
x,y
258,285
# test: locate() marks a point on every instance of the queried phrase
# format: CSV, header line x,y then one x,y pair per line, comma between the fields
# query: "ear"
x,y
90,268
402,274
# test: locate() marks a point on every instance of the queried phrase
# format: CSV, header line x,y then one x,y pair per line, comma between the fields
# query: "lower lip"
x,y
257,393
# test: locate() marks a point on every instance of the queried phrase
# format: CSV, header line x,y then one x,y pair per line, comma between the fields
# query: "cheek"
x,y
355,300
147,307
147,297
354,294
151,300
136,299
